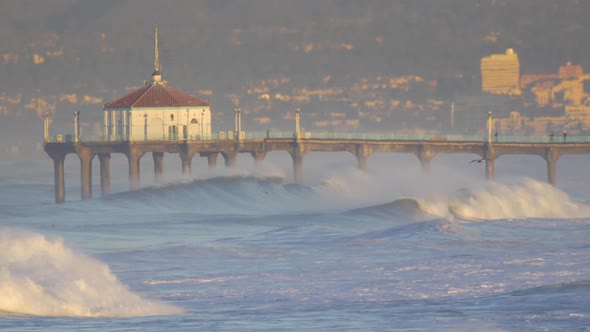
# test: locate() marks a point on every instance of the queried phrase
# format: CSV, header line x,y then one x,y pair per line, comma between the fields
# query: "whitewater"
x,y
391,249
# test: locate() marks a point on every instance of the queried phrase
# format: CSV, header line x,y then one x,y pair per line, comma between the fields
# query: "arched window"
x,y
194,121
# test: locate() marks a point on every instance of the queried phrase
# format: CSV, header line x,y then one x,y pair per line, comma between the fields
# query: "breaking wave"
x,y
220,195
250,195
43,277
580,288
413,208
494,201
525,199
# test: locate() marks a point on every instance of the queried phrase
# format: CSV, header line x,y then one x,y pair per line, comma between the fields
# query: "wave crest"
x,y
43,277
525,199
494,201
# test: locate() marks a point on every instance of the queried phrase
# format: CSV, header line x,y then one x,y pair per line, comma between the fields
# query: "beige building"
x,y
510,125
578,115
500,73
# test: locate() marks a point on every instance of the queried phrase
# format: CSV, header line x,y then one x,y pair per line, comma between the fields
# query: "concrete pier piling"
x,y
158,158
490,170
212,160
133,158
105,173
551,157
58,178
425,155
362,154
297,153
258,156
86,157
186,164
230,158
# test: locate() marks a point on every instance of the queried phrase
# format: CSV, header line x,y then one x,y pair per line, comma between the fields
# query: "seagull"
x,y
476,161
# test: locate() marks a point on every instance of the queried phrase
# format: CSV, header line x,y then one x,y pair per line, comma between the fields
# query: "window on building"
x,y
172,117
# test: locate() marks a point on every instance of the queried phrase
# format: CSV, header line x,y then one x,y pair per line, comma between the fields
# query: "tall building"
x,y
157,111
500,73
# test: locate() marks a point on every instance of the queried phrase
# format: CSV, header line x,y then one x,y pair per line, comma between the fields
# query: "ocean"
x,y
244,249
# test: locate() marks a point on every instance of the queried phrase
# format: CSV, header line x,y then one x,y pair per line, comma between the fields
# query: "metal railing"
x,y
327,136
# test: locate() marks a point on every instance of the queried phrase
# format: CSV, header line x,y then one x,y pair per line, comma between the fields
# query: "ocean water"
x,y
245,250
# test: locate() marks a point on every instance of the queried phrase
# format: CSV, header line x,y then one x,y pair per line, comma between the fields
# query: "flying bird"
x,y
476,161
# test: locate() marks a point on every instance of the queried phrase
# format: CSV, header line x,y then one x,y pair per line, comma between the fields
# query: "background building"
x,y
500,73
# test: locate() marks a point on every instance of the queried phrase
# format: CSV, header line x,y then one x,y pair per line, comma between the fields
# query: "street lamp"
x,y
297,126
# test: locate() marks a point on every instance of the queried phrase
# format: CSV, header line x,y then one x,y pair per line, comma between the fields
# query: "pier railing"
x,y
329,135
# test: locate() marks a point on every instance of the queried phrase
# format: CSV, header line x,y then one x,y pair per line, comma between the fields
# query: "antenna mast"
x,y
157,75
156,51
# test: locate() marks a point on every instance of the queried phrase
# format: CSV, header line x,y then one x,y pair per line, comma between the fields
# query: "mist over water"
x,y
244,249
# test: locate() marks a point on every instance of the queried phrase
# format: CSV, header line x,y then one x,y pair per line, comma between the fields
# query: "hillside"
x,y
76,54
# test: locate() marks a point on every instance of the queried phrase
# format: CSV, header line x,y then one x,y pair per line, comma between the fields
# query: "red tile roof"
x,y
156,95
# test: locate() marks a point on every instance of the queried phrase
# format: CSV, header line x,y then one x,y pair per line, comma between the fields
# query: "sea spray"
x,y
524,199
41,276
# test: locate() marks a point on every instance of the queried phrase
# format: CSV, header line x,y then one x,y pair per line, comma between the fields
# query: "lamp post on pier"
x,y
297,123
76,126
46,127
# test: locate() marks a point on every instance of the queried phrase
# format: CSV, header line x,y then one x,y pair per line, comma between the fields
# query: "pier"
x,y
297,144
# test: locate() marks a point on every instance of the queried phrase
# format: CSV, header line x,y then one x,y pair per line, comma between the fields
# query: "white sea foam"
x,y
474,200
41,276
525,199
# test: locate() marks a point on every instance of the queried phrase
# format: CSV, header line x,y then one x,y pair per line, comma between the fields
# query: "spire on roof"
x,y
157,75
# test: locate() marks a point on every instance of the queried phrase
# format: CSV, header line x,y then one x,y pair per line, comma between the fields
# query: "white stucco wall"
x,y
168,123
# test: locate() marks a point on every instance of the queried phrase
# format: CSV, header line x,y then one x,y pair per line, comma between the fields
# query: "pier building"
x,y
156,111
